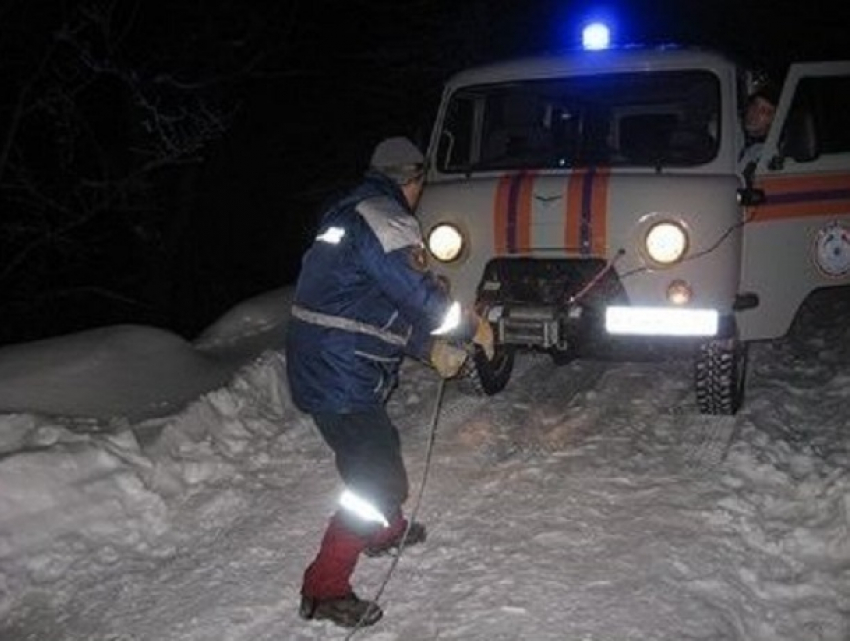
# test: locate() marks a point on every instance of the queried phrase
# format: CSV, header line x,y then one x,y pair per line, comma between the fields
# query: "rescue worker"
x,y
364,299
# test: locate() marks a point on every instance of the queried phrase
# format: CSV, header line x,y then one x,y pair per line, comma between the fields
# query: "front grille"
x,y
553,282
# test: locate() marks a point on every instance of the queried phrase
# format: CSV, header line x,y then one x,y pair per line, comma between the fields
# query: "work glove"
x,y
484,337
446,358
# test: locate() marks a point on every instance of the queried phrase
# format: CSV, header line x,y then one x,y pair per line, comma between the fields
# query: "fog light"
x,y
679,292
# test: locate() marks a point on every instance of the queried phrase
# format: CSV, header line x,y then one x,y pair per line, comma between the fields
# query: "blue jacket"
x,y
364,298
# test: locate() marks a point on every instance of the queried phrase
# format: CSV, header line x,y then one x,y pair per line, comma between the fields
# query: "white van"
x,y
587,201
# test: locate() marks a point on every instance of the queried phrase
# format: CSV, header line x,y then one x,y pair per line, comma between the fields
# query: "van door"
x,y
797,239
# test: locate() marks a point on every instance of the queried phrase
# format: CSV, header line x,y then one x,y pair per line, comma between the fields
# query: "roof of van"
x,y
592,62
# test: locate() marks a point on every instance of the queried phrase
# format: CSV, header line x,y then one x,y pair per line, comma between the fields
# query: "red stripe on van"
x,y
802,196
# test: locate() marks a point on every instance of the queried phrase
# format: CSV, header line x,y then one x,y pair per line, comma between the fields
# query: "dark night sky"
x,y
377,67
366,69
329,80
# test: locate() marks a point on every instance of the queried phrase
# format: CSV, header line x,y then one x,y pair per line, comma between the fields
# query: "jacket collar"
x,y
376,183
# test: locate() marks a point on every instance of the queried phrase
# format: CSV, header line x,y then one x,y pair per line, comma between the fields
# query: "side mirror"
x,y
750,196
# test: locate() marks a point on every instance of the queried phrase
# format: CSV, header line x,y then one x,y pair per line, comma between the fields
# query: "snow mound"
x,y
126,371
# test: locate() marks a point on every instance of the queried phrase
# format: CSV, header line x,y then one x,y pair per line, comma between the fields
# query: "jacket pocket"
x,y
385,370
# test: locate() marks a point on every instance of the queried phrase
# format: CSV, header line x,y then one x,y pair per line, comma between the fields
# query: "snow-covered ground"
x,y
153,489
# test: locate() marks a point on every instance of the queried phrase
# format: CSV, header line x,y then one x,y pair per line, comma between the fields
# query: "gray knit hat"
x,y
399,159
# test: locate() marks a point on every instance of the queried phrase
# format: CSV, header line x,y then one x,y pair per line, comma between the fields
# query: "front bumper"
x,y
540,303
569,327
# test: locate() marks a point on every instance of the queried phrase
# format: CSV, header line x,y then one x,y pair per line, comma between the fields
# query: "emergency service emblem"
x,y
832,250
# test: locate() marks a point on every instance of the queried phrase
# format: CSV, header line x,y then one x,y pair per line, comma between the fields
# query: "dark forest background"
x,y
160,162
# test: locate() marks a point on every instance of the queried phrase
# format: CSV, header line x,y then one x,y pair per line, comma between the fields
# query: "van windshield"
x,y
651,119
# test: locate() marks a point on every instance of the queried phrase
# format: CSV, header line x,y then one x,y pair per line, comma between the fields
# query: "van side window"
x,y
826,101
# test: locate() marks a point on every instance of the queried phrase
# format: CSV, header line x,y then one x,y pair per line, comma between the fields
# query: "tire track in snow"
x,y
525,420
706,441
647,408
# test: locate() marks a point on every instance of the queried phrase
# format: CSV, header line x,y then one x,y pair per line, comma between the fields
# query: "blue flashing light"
x,y
596,36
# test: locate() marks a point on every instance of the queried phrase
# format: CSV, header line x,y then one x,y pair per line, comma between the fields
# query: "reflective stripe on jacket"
x,y
363,300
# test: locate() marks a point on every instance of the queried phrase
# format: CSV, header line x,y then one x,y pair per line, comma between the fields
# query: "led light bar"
x,y
661,321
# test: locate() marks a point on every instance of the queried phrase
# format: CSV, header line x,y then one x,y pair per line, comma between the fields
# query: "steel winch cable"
x,y
432,437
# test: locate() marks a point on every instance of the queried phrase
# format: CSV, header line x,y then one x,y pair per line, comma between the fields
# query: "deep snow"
x,y
153,489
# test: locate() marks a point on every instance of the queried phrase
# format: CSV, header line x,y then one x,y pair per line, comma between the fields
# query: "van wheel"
x,y
719,375
491,376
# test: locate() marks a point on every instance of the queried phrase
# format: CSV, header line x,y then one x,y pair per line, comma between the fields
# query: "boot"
x,y
348,611
416,533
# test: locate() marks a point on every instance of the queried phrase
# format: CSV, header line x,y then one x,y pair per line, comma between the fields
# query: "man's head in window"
x,y
761,109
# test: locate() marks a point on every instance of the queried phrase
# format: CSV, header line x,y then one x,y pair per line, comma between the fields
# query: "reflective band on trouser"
x,y
451,321
362,508
347,324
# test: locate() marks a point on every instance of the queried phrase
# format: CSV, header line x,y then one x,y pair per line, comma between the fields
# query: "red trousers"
x,y
329,575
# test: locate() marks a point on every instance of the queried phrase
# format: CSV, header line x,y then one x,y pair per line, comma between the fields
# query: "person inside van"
x,y
758,117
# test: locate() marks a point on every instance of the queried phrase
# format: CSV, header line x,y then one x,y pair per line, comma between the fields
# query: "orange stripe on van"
x,y
512,213
802,196
599,209
500,214
572,213
523,212
585,213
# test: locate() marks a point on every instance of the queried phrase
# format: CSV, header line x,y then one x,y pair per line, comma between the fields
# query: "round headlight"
x,y
666,242
445,242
